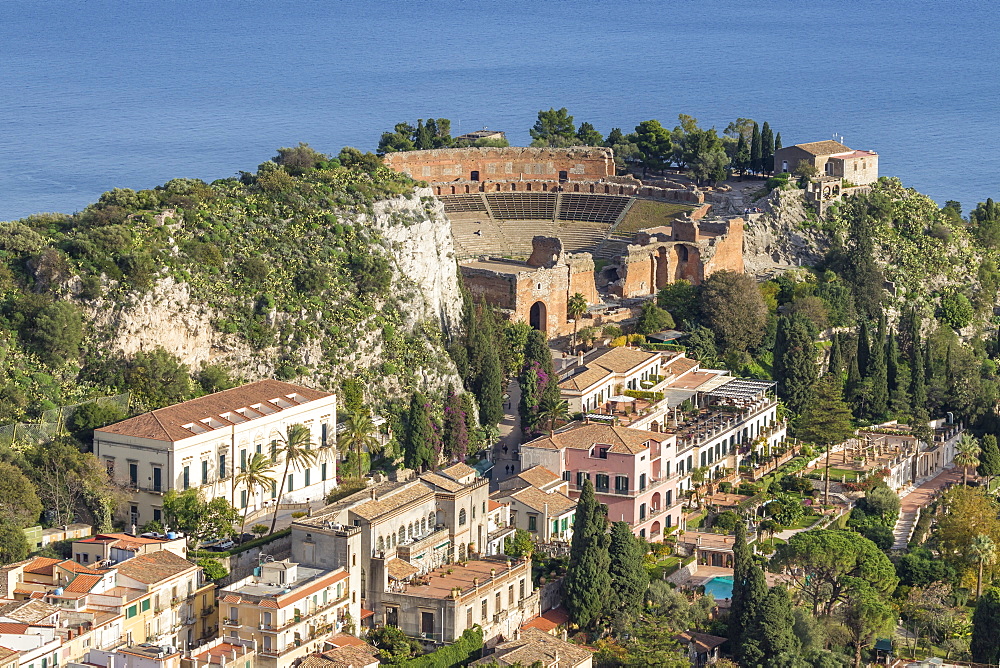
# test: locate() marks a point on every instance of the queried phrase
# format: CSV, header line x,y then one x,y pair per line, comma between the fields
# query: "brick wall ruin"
x,y
578,163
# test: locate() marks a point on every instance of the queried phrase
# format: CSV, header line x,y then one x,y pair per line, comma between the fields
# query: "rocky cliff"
x,y
783,236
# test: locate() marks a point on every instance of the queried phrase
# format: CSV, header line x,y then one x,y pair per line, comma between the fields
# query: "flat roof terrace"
x,y
444,581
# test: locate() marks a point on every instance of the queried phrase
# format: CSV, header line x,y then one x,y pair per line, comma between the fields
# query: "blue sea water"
x,y
98,94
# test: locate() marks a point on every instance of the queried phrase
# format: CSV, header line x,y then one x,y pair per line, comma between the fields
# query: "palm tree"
x,y
768,526
967,455
358,436
296,449
575,308
553,409
254,477
983,550
698,478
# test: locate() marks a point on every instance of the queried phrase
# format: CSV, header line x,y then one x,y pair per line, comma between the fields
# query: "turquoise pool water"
x,y
721,586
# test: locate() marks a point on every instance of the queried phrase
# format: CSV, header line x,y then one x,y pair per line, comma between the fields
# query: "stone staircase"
x,y
903,530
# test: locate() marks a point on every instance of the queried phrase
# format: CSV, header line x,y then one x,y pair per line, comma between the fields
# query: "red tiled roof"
x,y
41,565
74,567
365,614
548,620
154,567
268,603
166,424
83,583
13,628
231,598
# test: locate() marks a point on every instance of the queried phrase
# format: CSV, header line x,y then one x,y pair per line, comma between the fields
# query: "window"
x,y
132,611
291,482
567,475
689,463
145,605
520,590
461,517
510,595
669,497
187,477
274,488
555,527
243,460
642,511
222,466
157,515
204,472
133,473
485,609
468,617
704,458
602,482
565,523
243,498
667,472
496,603
157,479
402,534
621,484
581,476
322,470
532,523
308,477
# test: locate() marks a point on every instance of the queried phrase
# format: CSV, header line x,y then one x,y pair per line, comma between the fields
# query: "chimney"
x,y
579,358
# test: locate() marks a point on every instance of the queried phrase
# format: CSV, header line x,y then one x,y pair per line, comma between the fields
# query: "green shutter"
x,y
145,605
131,612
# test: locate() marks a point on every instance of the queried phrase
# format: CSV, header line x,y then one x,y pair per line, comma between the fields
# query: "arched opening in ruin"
x,y
475,175
537,317
662,277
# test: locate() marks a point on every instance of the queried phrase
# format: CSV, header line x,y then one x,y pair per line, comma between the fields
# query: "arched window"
x,y
431,520
380,545
423,525
461,517
409,530
402,534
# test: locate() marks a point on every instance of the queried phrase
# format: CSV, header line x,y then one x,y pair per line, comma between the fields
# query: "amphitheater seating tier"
x,y
522,206
595,208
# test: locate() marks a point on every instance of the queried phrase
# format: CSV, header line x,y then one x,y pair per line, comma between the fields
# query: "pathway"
x,y
510,437
918,497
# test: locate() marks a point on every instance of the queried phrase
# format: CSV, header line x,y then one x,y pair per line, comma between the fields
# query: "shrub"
x,y
213,568
956,310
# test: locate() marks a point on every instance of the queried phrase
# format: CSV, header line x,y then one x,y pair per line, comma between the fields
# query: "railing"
x,y
205,612
232,622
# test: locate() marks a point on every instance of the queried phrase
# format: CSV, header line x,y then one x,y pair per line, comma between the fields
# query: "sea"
x,y
96,94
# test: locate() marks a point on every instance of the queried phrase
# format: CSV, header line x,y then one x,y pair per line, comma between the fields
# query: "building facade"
x,y
830,158
205,442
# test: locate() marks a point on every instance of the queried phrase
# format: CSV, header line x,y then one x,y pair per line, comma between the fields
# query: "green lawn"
x,y
647,213
668,565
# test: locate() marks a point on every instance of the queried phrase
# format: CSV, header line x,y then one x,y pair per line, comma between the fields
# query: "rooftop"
x,y
621,440
154,567
215,411
554,503
457,576
308,581
27,612
535,646
828,147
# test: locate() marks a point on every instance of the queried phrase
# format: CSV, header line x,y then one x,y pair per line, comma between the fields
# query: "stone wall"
x,y
598,187
578,163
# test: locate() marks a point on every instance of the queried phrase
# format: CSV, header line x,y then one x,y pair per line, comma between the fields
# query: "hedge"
x,y
644,394
256,542
459,653
664,346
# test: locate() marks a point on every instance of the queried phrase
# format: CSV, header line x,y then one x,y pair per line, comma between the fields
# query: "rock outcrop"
x,y
784,236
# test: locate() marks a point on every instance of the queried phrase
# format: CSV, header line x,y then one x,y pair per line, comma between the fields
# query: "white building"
x,y
203,444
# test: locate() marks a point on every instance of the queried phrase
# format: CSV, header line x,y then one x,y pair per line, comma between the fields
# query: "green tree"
x,y
705,157
653,142
734,309
588,135
422,138
741,155
69,481
777,142
553,128
253,478
826,421
629,578
680,299
653,319
418,447
795,368
877,374
552,409
57,333
967,455
519,545
826,560
359,439
750,650
157,377
199,519
212,568
984,551
985,622
19,503
766,148
295,448
489,388
13,543
742,563
866,615
956,310
989,459
455,428
300,159
587,577
575,308
756,149
774,625
835,365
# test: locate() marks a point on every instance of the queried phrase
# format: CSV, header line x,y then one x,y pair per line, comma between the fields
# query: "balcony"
x,y
232,623
205,612
410,550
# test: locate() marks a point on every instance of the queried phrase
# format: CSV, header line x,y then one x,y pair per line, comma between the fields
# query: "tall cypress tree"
x,y
777,142
750,651
756,149
836,364
489,389
588,577
877,374
629,578
892,361
918,376
742,563
530,399
795,369
766,148
741,158
423,139
418,448
455,428
989,458
985,622
854,388
774,625
864,348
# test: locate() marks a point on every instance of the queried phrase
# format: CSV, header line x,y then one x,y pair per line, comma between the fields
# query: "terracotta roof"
x,y
6,654
557,502
539,476
583,437
702,642
395,500
166,424
494,505
828,147
13,628
680,365
268,603
447,484
459,470
342,639
537,646
41,565
28,612
74,567
549,620
590,376
350,656
400,569
365,614
231,598
154,567
857,154
623,359
83,583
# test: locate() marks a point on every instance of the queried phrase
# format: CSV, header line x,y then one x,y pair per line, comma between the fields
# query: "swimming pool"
x,y
721,586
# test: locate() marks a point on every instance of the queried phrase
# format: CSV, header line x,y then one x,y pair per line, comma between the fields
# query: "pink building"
x,y
629,468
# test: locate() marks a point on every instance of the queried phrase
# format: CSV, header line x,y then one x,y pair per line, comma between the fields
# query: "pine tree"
x,y
985,622
629,578
766,148
877,375
795,370
741,158
756,149
774,625
742,563
750,650
418,448
836,364
588,579
826,420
